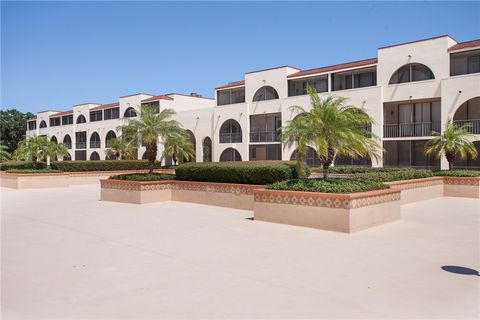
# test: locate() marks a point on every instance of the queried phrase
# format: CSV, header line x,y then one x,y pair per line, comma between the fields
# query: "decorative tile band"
x,y
412,184
217,188
127,185
327,202
459,181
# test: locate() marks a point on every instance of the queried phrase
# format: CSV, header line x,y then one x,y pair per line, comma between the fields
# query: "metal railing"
x,y
230,137
68,145
80,145
474,125
264,136
419,129
94,144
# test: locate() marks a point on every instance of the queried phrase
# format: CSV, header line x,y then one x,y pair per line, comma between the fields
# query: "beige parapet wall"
x,y
328,211
230,195
466,187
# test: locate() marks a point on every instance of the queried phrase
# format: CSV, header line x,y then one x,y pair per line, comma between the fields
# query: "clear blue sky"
x,y
57,54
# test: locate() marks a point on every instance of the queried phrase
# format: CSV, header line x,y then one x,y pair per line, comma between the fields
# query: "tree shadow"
x,y
460,270
251,218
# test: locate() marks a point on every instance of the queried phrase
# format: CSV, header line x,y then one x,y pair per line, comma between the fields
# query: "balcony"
x,y
68,145
94,145
264,136
230,137
80,145
419,129
474,125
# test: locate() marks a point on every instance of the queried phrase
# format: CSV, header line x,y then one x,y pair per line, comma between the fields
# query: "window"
x,y
112,113
94,156
300,87
408,154
465,62
96,115
207,149
230,154
412,119
349,161
265,152
130,113
264,128
43,124
67,141
80,154
94,141
230,132
54,122
80,142
32,125
265,93
54,139
110,135
231,96
81,119
359,78
410,73
311,157
67,120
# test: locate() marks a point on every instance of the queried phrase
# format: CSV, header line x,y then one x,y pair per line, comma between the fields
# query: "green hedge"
x,y
353,169
144,176
33,171
395,175
102,165
457,173
334,185
255,172
20,165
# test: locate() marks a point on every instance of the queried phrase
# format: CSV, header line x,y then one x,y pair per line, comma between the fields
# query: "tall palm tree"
x,y
178,145
121,148
148,127
4,154
455,140
333,128
38,148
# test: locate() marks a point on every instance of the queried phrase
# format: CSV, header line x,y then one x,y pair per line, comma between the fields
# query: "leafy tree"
x,y
13,126
148,127
4,154
455,140
38,148
177,144
333,128
121,148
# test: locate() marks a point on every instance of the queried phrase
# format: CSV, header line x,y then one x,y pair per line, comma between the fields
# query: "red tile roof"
x,y
271,69
188,95
136,94
156,98
335,67
467,44
61,113
415,41
232,84
106,106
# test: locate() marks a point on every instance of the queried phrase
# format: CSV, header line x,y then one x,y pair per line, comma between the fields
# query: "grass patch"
x,y
457,173
144,177
333,185
29,171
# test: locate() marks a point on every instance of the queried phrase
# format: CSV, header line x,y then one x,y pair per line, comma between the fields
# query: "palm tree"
x,y
455,140
4,154
121,148
178,145
148,127
333,128
38,147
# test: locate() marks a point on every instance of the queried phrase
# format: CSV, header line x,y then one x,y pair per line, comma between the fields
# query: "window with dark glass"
x,y
54,122
130,113
67,120
298,87
80,141
230,96
43,124
265,152
408,153
81,119
230,154
80,154
265,93
230,131
32,125
264,127
410,73
360,78
96,115
112,113
67,141
465,62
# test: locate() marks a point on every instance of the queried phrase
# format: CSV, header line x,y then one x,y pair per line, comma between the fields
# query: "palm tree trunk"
x,y
327,162
450,158
34,162
151,150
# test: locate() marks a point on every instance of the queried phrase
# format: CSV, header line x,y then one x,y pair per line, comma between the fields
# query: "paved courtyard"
x,y
67,255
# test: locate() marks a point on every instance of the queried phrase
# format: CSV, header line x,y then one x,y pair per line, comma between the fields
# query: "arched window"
x,y
311,157
67,157
469,113
193,141
207,149
230,154
94,141
230,132
130,113
81,119
94,156
411,72
110,135
54,139
43,124
349,161
67,141
265,93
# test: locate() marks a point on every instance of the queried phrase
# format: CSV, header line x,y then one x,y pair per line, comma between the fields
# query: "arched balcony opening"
x,y
54,139
67,141
230,132
469,113
265,93
95,141
207,150
110,136
230,154
81,119
43,124
410,73
311,157
130,113
67,157
94,156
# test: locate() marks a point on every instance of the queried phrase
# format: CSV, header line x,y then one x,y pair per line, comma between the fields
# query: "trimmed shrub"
x,y
395,175
144,177
102,165
353,169
20,165
457,173
334,185
255,172
29,171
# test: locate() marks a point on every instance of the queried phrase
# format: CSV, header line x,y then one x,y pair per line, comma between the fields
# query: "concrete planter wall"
x,y
465,187
328,211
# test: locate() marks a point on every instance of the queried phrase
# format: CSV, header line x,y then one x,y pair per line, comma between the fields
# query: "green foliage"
x,y
20,165
454,141
257,172
38,148
121,149
13,127
394,175
4,154
144,177
177,144
33,171
334,185
358,169
457,173
102,165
